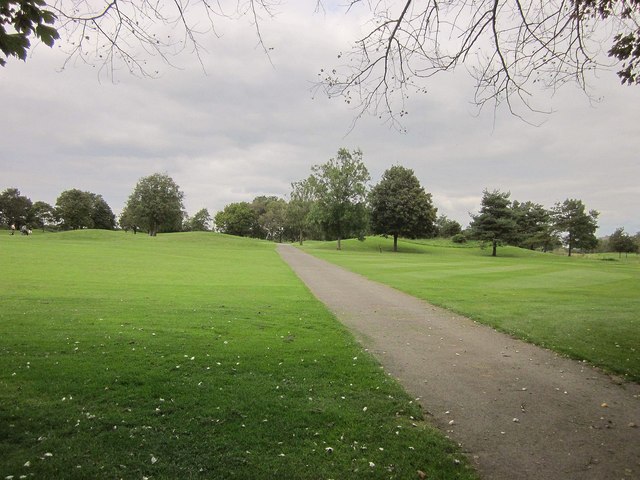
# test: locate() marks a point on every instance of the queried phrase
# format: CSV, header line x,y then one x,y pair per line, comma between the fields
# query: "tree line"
x,y
333,203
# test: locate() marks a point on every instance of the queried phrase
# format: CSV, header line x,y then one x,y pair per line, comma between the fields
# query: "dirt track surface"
x,y
519,411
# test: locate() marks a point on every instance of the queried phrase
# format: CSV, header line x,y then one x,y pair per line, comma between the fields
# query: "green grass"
x,y
582,307
190,356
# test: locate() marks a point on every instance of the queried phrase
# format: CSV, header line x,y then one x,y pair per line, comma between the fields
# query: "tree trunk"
x,y
300,238
570,244
339,245
494,253
395,242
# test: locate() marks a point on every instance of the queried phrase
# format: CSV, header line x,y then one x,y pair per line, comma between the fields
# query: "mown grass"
x,y
583,307
190,356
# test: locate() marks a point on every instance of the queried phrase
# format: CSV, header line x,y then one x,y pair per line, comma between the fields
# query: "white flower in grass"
x,y
153,459
371,464
48,454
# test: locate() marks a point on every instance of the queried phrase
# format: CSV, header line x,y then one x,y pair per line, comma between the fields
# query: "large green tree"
x,y
576,226
340,191
270,217
15,209
79,209
237,218
533,226
299,209
272,221
495,222
400,206
446,228
75,209
43,215
200,222
101,213
621,242
155,205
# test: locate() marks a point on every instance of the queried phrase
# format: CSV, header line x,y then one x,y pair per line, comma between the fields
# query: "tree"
x,y
43,214
446,227
510,48
101,213
400,206
533,226
622,242
200,222
15,209
26,18
121,33
75,209
495,222
269,213
237,219
273,220
155,205
340,191
576,227
299,208
78,209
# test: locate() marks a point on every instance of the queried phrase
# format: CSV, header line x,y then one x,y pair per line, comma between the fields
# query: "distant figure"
x,y
24,230
13,228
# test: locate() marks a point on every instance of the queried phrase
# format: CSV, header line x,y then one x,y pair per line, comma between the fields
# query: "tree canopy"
x,y
155,205
495,222
14,208
200,222
43,214
576,227
621,242
79,209
299,209
340,193
237,219
533,226
400,206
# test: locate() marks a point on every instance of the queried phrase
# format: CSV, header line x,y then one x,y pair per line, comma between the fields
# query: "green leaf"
x,y
47,34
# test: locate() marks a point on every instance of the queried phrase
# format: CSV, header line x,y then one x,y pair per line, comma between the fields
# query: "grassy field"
x,y
584,307
189,356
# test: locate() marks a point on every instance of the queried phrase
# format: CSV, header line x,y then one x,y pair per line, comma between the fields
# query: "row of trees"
x,y
154,206
334,202
530,225
73,209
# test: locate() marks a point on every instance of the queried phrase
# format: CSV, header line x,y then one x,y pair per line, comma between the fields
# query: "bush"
x,y
459,238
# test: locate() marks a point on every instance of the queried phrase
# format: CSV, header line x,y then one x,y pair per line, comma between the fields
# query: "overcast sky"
x,y
245,127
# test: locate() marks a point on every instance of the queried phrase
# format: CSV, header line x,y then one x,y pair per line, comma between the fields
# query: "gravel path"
x,y
519,411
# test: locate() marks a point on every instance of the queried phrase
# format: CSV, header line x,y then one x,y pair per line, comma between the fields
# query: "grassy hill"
x,y
190,355
581,306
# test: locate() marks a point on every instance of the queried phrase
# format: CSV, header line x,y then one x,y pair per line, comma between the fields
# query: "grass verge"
x,y
190,356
